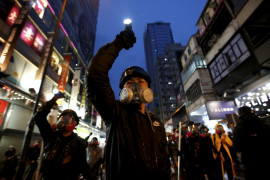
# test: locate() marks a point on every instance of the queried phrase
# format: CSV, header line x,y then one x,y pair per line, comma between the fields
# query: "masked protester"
x,y
207,161
222,154
64,155
136,142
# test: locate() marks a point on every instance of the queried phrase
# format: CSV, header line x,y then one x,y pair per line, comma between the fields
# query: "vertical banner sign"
x,y
83,97
64,73
42,64
75,88
3,106
12,16
9,45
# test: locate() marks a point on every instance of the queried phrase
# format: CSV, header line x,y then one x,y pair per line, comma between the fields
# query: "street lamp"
x,y
128,24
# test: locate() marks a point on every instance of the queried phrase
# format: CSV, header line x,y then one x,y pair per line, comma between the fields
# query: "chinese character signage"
x,y
28,33
64,73
219,109
40,6
75,88
8,47
12,16
38,43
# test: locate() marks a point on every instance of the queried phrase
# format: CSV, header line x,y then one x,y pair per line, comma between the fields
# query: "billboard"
x,y
219,109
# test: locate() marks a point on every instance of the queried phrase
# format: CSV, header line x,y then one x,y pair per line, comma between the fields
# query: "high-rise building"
x,y
156,37
169,81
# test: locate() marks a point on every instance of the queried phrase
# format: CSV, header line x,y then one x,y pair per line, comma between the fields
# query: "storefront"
x,y
256,96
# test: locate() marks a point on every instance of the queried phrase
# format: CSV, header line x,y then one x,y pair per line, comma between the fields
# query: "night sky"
x,y
182,14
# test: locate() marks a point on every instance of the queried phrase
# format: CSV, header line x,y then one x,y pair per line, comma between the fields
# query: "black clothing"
x,y
10,164
207,161
32,155
63,157
136,145
251,137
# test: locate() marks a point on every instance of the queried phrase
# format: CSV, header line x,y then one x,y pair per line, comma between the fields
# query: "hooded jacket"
x,y
136,145
226,143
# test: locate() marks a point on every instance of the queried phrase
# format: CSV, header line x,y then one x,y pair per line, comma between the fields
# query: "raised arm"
x,y
97,82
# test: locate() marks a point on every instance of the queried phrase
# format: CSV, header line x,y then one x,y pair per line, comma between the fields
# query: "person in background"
x,y
207,161
173,153
191,153
95,158
64,155
222,154
250,137
32,157
10,163
136,145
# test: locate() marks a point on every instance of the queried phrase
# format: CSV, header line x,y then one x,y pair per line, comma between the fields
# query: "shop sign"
x,y
39,7
12,16
39,43
83,97
7,50
28,33
64,73
219,109
3,106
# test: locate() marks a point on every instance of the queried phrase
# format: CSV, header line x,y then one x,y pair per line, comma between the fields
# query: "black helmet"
x,y
71,112
203,128
134,71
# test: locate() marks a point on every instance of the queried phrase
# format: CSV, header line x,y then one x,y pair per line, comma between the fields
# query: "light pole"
x,y
31,123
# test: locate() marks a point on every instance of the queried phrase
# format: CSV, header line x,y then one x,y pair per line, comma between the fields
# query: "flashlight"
x,y
128,24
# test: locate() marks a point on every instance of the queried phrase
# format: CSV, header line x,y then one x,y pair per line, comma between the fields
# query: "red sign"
x,y
12,16
28,33
40,6
64,73
3,106
38,44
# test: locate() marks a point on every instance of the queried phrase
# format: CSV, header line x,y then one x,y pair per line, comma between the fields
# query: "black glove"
x,y
127,37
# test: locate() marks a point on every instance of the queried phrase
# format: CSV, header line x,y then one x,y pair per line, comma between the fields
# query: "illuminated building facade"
x,y
235,42
71,54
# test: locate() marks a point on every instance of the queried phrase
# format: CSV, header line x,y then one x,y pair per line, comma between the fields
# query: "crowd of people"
x,y
214,156
136,143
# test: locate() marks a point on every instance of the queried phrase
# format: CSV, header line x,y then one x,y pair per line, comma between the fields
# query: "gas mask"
x,y
66,122
136,95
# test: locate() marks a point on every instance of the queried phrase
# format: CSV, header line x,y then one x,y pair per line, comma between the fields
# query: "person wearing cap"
x,y
136,145
64,155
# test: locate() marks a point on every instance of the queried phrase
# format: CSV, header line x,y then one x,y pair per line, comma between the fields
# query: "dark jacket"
x,y
63,157
133,149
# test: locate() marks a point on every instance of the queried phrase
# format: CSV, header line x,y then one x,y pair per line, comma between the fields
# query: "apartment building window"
x,y
194,92
230,57
196,61
185,57
189,50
